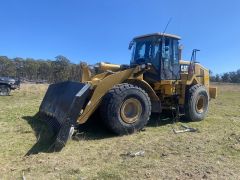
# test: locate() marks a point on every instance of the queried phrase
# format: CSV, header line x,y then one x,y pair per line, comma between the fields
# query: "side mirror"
x,y
130,45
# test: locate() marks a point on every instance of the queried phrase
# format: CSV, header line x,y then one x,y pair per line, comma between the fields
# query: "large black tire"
x,y
125,109
4,90
197,100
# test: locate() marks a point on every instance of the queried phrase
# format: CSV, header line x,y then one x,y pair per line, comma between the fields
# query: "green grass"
x,y
213,152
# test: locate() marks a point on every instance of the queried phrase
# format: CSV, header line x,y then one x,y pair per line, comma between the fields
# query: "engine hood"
x,y
7,80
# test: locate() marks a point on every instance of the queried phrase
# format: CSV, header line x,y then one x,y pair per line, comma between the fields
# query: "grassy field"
x,y
211,153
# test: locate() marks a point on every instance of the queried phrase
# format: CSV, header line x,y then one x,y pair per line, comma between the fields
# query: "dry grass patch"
x,y
97,154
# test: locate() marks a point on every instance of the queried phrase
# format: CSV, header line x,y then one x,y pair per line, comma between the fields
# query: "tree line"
x,y
29,69
61,69
231,77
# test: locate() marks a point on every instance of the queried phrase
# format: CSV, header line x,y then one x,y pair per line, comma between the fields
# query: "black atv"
x,y
7,84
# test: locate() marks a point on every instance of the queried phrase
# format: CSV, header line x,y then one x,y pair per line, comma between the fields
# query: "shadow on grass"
x,y
166,117
44,135
93,129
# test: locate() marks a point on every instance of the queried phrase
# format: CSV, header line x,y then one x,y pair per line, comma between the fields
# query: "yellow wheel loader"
x,y
156,79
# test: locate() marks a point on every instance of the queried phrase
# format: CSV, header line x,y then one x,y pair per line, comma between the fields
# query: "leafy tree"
x,y
226,77
40,70
61,69
217,78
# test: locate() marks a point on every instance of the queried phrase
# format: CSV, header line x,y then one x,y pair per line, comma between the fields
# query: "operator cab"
x,y
161,51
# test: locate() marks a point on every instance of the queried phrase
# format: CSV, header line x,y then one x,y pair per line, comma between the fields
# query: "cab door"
x,y
170,68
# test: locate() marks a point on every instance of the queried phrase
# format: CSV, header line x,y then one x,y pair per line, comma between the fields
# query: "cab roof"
x,y
158,34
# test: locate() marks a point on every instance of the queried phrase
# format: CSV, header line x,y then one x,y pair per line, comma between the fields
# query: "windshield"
x,y
145,51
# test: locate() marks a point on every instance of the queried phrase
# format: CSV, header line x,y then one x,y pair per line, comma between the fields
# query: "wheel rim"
x,y
200,104
131,110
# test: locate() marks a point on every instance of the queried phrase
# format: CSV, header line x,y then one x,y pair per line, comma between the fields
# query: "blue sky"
x,y
100,30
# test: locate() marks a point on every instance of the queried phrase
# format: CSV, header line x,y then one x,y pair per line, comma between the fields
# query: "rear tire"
x,y
197,100
4,90
125,109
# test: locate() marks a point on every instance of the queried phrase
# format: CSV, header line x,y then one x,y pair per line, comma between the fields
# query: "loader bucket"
x,y
61,106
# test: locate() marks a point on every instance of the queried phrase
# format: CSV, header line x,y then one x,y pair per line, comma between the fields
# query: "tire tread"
x,y
115,94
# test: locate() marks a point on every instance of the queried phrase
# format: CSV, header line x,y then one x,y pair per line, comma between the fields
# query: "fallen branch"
x,y
185,129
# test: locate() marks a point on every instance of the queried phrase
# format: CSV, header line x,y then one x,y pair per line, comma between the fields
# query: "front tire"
x,y
4,90
125,109
197,101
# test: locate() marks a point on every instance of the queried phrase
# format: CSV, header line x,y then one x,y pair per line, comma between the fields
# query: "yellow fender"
x,y
101,87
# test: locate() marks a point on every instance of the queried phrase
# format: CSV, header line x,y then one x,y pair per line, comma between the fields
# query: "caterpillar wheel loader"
x,y
156,79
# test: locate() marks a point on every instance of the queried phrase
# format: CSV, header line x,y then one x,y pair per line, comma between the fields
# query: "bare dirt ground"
x,y
211,153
